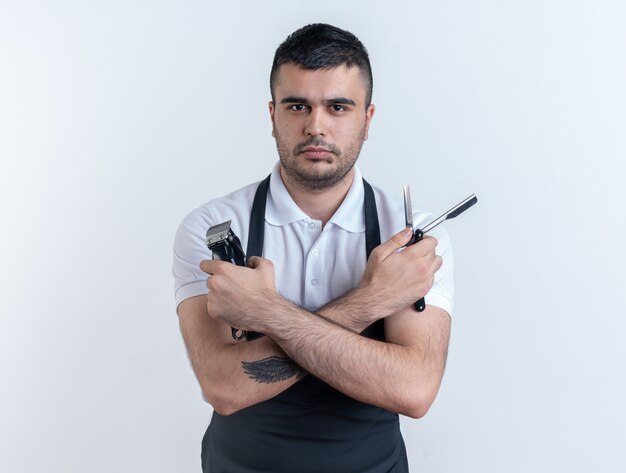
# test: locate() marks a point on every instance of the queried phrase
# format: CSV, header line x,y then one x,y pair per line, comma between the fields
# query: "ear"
x,y
369,114
272,109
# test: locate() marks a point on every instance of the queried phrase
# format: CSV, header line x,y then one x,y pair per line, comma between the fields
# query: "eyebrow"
x,y
335,100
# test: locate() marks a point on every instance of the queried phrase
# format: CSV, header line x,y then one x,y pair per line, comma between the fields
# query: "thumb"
x,y
260,263
396,242
257,262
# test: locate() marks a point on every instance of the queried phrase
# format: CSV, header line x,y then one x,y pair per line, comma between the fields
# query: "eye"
x,y
338,108
297,107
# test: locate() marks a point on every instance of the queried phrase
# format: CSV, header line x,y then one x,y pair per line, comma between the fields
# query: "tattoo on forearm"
x,y
272,370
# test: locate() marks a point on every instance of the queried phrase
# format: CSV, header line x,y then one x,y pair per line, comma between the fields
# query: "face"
x,y
319,122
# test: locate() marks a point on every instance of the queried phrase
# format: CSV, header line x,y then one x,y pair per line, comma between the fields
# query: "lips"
x,y
316,149
316,153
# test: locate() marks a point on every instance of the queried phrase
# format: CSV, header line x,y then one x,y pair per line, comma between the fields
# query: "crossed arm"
x,y
402,374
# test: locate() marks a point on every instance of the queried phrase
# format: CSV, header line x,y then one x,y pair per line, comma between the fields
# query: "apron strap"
x,y
372,229
375,331
256,231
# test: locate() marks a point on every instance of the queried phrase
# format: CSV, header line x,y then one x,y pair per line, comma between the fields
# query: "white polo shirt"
x,y
313,265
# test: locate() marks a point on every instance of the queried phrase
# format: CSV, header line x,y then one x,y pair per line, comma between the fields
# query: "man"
x,y
344,350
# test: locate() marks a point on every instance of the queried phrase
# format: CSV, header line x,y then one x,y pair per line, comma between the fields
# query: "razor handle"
x,y
417,236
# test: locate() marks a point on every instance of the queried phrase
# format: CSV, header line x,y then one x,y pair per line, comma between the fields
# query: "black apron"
x,y
310,427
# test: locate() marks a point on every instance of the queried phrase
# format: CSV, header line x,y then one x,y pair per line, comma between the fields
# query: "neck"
x,y
319,204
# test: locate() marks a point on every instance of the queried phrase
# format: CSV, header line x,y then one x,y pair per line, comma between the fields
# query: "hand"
x,y
395,279
240,295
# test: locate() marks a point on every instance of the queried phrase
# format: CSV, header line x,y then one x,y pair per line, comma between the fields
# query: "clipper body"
x,y
226,246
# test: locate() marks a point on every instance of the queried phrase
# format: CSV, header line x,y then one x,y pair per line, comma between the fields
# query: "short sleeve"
x,y
442,293
189,250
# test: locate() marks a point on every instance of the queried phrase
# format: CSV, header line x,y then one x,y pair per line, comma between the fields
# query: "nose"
x,y
315,125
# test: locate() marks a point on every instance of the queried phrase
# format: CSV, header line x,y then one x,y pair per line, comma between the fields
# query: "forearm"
x,y
350,312
399,378
248,373
234,375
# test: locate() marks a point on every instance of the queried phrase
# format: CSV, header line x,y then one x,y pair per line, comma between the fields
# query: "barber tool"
x,y
226,246
418,233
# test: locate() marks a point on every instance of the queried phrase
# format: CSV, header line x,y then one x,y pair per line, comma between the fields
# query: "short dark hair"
x,y
322,46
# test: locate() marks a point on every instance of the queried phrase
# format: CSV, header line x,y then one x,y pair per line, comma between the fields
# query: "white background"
x,y
119,117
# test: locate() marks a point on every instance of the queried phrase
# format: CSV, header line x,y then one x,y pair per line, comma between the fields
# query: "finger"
x,y
209,266
394,243
434,265
438,262
425,246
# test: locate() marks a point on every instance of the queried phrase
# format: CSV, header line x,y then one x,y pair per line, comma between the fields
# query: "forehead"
x,y
341,81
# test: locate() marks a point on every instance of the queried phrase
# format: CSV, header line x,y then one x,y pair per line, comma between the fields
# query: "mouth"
x,y
316,153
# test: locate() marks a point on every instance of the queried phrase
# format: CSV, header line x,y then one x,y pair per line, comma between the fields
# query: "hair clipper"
x,y
226,246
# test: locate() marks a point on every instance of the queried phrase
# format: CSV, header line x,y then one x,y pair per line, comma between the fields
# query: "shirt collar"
x,y
282,210
350,215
